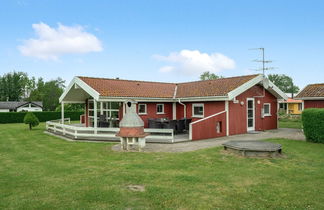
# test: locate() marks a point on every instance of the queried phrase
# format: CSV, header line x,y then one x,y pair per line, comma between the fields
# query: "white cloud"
x,y
54,42
194,62
166,69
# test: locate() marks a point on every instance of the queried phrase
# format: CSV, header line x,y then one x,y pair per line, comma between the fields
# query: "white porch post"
x,y
95,116
174,111
227,118
101,109
62,112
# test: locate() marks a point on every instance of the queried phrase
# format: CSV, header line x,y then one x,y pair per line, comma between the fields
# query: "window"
x,y
160,108
142,109
198,110
300,107
109,109
266,109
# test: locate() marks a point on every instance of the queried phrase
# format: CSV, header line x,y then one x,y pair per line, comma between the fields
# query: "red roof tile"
x,y
312,90
130,88
133,88
217,87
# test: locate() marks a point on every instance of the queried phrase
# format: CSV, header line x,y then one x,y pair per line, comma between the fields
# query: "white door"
x,y
250,114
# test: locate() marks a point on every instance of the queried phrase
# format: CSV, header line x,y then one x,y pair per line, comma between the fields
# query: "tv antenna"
x,y
263,61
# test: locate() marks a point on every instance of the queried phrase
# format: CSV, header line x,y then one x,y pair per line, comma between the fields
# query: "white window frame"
x,y
193,110
162,109
138,109
99,108
267,114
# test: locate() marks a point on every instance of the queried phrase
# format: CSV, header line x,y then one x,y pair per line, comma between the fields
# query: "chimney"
x,y
131,130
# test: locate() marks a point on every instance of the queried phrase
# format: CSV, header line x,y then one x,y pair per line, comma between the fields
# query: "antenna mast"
x,y
263,61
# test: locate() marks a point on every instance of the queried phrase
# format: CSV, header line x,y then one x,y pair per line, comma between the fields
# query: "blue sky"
x,y
161,40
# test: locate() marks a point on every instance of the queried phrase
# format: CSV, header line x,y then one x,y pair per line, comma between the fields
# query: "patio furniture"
x,y
187,122
180,126
154,123
102,121
171,124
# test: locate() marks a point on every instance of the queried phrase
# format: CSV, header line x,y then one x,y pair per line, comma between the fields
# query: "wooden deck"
x,y
80,132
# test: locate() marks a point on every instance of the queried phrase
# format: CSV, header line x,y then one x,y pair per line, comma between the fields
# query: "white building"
x,y
21,106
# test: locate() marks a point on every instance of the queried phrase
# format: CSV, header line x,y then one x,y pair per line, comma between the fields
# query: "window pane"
x,y
250,104
141,108
114,105
114,114
198,110
159,108
266,109
250,122
90,104
250,113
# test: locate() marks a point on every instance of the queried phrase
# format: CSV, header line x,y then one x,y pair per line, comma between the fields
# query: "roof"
x,y
291,100
312,90
217,87
133,88
16,104
130,88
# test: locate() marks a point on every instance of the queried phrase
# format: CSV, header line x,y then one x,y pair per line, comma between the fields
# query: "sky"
x,y
168,41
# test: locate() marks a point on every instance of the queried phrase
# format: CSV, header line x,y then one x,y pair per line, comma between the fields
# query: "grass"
x,y
38,171
290,123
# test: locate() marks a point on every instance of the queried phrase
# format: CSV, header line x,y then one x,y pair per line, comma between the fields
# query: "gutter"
x,y
184,108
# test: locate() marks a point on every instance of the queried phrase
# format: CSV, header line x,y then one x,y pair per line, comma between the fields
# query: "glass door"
x,y
250,115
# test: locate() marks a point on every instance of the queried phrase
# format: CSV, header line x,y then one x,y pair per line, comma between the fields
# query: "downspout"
x,y
184,108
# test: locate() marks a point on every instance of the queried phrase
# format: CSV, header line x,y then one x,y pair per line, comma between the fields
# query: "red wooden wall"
x,y
151,112
238,112
210,108
206,129
313,104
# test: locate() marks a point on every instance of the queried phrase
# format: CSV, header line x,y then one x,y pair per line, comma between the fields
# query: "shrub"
x,y
18,117
313,124
31,119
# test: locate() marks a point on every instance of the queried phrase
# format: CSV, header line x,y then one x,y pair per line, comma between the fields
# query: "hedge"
x,y
313,125
18,117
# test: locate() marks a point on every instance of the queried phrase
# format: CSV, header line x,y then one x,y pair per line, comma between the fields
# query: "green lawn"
x,y
38,171
290,123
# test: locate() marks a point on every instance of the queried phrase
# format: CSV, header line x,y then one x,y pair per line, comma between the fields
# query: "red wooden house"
x,y
220,107
312,96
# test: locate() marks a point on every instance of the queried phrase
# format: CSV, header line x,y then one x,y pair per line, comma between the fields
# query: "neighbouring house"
x,y
312,96
21,106
214,108
291,106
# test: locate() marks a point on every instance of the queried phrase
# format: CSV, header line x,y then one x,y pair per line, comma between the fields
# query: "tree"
x,y
209,76
284,83
48,92
13,85
31,119
71,107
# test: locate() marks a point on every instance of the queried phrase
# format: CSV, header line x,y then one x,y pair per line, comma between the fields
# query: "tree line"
x,y
18,86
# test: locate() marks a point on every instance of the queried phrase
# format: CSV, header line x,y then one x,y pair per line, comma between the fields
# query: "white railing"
x,y
78,132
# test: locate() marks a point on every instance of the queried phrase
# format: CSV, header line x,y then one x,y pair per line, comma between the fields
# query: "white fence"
x,y
90,133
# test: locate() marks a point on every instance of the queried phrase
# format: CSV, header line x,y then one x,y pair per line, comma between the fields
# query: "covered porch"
x,y
100,120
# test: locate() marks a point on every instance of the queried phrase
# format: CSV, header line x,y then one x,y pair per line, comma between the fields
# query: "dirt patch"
x,y
136,188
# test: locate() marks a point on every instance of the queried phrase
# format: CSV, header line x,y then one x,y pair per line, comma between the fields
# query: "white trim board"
x,y
92,92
